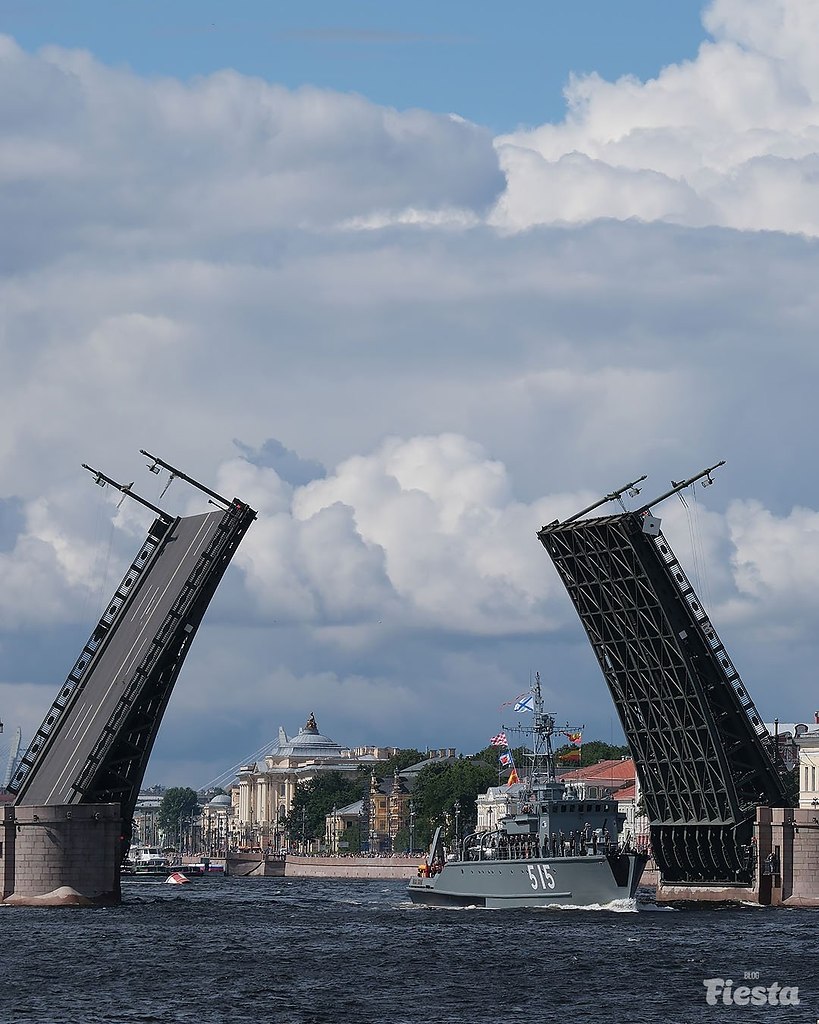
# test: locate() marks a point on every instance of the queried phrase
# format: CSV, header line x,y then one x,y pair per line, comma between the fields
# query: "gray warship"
x,y
558,850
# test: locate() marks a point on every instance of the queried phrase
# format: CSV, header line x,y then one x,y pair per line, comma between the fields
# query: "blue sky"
x,y
498,66
262,248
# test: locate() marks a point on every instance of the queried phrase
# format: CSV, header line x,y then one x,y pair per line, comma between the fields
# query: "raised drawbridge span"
x,y
95,740
703,756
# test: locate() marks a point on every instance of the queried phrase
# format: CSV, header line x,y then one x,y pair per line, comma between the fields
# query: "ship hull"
x,y
562,881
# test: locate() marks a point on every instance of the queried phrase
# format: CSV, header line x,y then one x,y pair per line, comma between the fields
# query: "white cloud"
x,y
185,264
728,138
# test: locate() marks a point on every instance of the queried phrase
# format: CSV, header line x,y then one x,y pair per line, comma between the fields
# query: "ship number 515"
x,y
540,876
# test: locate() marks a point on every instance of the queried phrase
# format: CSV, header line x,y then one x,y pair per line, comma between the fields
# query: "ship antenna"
x,y
543,727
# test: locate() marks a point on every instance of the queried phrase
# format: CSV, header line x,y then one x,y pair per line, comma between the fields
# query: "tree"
x,y
440,786
352,837
491,755
314,800
178,803
592,752
400,760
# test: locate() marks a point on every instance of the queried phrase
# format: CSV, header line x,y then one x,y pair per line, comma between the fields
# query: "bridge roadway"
x,y
83,723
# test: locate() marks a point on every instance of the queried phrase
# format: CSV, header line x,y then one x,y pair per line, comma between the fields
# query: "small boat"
x,y
147,860
560,850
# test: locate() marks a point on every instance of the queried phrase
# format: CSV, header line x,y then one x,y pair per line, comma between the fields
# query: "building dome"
x,y
223,800
307,743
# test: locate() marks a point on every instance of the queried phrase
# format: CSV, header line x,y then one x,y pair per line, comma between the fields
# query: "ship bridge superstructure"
x,y
95,740
704,758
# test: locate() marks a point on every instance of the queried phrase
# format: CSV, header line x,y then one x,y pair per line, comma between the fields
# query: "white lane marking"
x,y
73,764
76,730
149,609
142,599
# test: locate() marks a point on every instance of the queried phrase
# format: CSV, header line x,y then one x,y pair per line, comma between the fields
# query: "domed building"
x,y
264,794
217,825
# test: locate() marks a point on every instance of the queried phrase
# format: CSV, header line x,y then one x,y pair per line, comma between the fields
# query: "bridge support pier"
x,y
60,855
787,868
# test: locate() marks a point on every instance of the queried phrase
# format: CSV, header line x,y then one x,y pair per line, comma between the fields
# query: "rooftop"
x,y
614,773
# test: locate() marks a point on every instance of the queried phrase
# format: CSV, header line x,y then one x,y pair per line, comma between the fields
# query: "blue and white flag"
x,y
524,703
506,759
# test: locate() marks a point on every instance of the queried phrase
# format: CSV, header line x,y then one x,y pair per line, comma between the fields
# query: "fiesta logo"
x,y
721,990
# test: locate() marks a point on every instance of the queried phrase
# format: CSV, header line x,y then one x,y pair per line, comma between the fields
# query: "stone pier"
x,y
787,864
60,855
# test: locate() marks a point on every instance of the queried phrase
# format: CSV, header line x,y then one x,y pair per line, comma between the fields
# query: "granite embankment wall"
x,y
62,854
351,867
249,865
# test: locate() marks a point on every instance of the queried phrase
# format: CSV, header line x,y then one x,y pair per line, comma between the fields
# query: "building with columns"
x,y
807,741
264,793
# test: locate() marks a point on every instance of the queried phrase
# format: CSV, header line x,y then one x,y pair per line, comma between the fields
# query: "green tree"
x,y
178,803
491,755
314,800
440,786
593,752
403,759
352,837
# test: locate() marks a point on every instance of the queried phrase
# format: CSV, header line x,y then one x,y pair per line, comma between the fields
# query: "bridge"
x,y
95,740
704,759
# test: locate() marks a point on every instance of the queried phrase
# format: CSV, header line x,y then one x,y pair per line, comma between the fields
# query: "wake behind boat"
x,y
558,850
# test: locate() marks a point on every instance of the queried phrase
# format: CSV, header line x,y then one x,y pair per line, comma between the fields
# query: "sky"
x,y
412,283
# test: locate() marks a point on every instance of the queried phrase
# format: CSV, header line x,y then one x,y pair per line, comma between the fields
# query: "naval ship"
x,y
558,850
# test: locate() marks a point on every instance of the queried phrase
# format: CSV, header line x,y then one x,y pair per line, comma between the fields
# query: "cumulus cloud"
x,y
90,153
728,138
414,387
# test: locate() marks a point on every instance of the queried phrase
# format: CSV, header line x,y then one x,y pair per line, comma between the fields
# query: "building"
x,y
386,820
807,742
219,827
614,779
264,793
390,805
336,824
146,831
496,803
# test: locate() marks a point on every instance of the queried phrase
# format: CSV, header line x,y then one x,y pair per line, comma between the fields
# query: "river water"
x,y
309,951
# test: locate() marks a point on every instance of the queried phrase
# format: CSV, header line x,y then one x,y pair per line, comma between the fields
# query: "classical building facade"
x,y
264,793
807,740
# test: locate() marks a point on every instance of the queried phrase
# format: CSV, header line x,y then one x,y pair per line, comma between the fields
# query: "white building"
x,y
496,803
807,740
264,794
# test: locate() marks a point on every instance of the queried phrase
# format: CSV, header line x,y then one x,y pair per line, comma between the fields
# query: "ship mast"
x,y
542,756
543,727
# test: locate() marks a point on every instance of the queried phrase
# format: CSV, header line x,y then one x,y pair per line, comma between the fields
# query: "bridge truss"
x,y
703,756
94,743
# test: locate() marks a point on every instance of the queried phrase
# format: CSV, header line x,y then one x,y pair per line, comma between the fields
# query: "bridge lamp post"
x,y
411,827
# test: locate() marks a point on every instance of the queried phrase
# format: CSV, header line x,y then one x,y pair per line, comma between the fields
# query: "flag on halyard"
x,y
575,737
513,778
515,700
570,755
506,760
499,741
524,703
